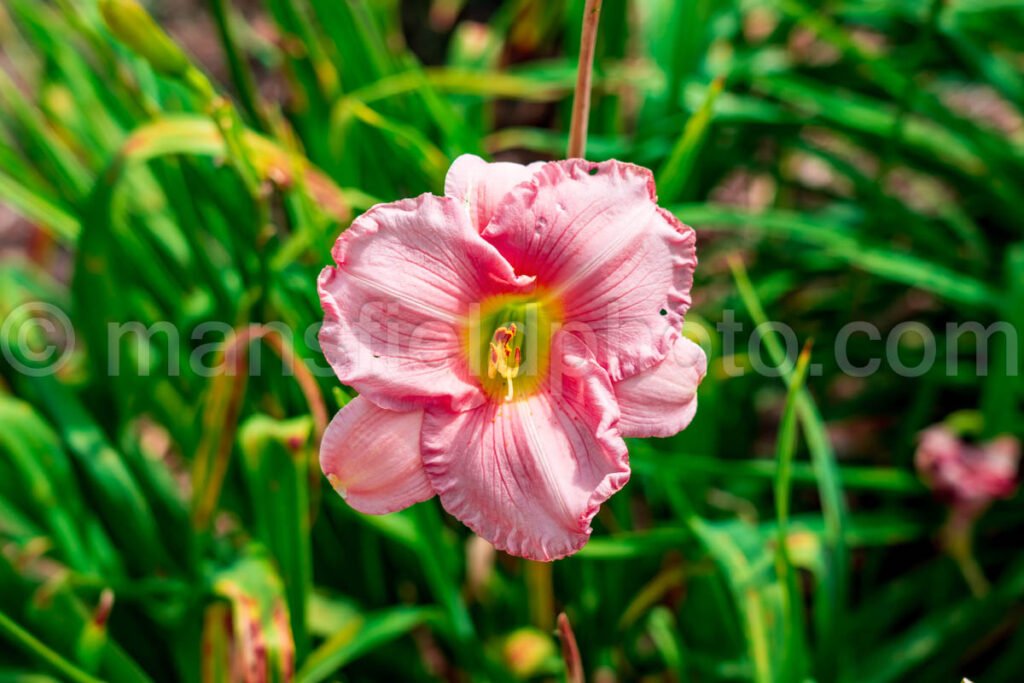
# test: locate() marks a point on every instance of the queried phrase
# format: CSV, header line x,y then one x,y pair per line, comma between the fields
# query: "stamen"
x,y
505,357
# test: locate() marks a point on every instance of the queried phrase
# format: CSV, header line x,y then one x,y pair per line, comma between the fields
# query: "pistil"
x,y
506,357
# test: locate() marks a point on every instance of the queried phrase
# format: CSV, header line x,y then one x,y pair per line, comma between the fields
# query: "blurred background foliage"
x,y
843,160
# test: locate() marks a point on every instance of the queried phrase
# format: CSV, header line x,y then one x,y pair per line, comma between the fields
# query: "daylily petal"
x,y
481,185
662,401
528,475
372,457
407,274
969,476
622,267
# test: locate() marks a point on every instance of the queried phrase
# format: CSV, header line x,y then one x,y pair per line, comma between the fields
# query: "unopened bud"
x,y
132,25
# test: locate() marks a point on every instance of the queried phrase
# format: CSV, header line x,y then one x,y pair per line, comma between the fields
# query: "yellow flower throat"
x,y
508,343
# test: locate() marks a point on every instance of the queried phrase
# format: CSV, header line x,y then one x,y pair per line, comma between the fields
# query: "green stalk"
x,y
584,76
785,452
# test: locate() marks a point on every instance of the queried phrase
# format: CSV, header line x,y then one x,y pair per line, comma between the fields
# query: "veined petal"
x,y
371,456
662,401
622,267
481,185
395,304
528,475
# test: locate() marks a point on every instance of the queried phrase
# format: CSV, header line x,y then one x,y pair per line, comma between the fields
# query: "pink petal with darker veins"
x,y
406,276
372,457
622,266
528,475
662,401
481,185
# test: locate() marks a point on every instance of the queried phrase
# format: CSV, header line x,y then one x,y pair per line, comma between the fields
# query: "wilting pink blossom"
x,y
968,477
504,339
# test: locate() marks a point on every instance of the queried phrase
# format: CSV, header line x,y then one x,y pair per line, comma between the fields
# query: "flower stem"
x,y
570,651
584,75
541,595
957,538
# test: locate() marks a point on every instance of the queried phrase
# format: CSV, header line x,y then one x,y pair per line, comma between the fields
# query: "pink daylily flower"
x,y
504,339
967,477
